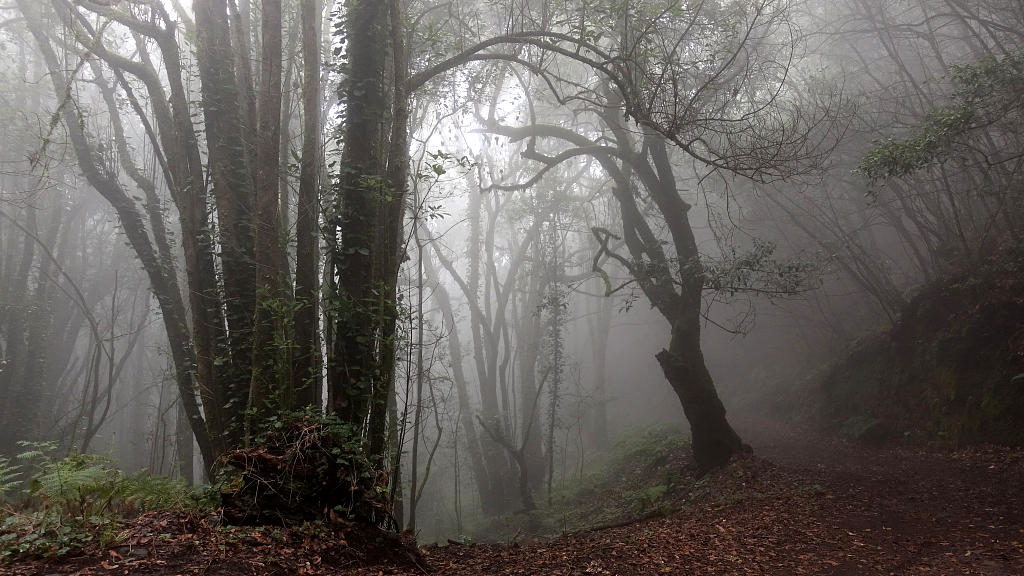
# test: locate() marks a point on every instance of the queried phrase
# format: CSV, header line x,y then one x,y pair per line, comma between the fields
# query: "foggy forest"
x,y
488,287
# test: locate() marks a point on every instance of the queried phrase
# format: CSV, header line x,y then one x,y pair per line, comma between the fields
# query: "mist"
x,y
509,271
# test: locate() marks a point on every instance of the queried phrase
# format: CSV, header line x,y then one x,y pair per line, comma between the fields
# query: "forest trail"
x,y
801,505
916,510
805,505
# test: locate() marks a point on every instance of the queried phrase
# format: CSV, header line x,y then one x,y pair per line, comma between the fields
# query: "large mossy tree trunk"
x,y
233,192
353,367
366,221
269,388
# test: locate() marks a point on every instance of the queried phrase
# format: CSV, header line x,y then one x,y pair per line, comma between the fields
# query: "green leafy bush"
x,y
73,501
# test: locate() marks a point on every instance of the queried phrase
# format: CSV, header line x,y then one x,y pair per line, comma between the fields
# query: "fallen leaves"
x,y
870,513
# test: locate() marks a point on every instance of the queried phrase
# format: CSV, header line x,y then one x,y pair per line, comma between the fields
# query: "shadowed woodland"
x,y
512,286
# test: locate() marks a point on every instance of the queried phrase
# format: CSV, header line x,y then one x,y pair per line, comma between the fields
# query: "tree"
x,y
733,116
366,221
230,345
724,104
306,374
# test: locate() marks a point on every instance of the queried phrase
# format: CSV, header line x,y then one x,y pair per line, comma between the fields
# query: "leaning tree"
x,y
701,89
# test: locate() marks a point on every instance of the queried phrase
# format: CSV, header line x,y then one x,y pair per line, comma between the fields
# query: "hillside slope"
x,y
952,369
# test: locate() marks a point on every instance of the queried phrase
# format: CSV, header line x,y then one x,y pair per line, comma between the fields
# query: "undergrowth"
x,y
642,474
52,506
303,467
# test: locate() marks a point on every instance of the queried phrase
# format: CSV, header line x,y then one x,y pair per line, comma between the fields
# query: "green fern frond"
x,y
9,474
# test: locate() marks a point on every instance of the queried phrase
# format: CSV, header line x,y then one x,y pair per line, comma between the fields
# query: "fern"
x,y
81,484
36,451
9,474
145,493
78,501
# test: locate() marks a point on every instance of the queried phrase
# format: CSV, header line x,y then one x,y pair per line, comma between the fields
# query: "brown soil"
x,y
801,506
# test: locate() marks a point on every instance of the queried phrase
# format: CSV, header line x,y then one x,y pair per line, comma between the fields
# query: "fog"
x,y
492,261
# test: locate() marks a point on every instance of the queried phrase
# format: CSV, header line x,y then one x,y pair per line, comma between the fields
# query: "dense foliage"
x,y
62,505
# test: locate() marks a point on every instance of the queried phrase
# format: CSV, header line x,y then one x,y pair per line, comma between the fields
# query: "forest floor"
x,y
802,505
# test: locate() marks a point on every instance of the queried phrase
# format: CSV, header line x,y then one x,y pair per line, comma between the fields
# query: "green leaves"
x,y
985,93
756,270
440,163
8,476
892,158
79,499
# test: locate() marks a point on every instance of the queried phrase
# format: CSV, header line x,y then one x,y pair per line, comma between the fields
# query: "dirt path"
x,y
924,510
809,507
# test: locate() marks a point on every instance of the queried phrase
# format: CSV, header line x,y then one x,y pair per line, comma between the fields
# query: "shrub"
x,y
80,499
304,466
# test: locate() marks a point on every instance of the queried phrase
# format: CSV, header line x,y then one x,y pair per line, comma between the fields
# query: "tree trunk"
x,y
395,444
440,294
390,242
600,325
230,173
17,328
183,446
714,440
531,334
306,379
266,392
353,369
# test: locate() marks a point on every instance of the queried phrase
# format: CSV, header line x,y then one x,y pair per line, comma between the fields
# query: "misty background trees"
x,y
483,235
